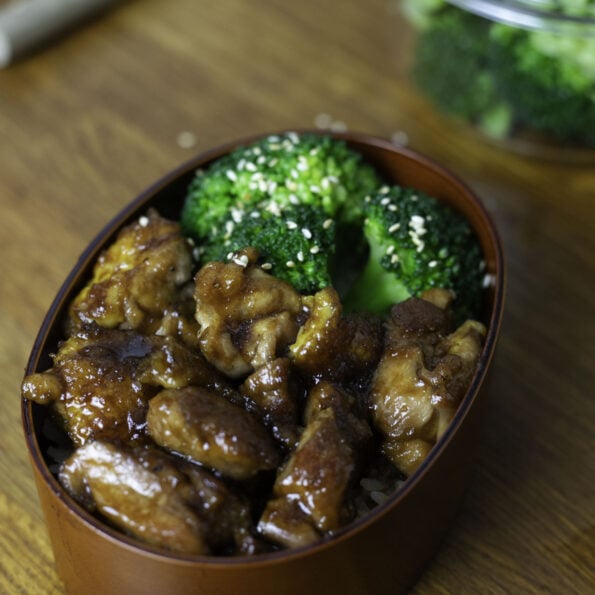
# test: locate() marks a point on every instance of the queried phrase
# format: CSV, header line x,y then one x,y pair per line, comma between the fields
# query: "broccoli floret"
x,y
550,81
295,243
254,196
452,67
417,243
284,169
506,79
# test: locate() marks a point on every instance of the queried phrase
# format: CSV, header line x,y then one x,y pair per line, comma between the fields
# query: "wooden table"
x,y
94,119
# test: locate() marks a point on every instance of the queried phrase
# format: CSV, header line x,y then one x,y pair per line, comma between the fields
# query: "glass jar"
x,y
520,72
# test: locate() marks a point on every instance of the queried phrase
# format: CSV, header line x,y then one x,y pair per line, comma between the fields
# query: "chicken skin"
x,y
246,316
421,378
207,429
309,495
102,380
141,282
161,501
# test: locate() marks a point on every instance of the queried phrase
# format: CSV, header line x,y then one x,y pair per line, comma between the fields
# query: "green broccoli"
x,y
296,243
452,67
505,79
254,194
416,243
547,79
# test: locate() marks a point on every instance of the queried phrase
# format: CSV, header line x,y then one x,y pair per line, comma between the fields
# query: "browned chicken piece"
x,y
246,316
335,346
155,503
207,429
273,397
101,381
143,282
309,495
421,378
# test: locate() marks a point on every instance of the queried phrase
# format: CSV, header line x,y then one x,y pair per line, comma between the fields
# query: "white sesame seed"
x,y
186,139
327,223
143,221
307,233
274,208
290,264
273,162
250,166
229,255
256,151
300,256
384,190
236,215
293,137
266,266
231,175
273,138
241,164
367,199
293,199
394,227
229,225
315,189
255,214
394,259
262,185
261,160
432,263
291,225
325,183
488,280
315,250
301,166
385,201
272,186
241,260
291,186
390,250
392,207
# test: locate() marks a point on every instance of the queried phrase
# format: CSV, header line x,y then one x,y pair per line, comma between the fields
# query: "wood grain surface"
x,y
93,119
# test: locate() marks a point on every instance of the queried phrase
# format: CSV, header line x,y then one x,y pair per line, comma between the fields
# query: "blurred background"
x,y
92,118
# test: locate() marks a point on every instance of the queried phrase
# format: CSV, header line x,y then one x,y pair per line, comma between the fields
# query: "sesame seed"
x,y
274,208
394,259
291,185
315,250
261,160
325,184
367,199
307,233
272,186
250,166
384,190
293,199
291,225
231,175
229,225
266,266
294,174
143,221
385,201
241,164
229,255
256,151
390,250
241,260
293,137
290,264
273,162
274,146
255,214
488,280
302,166
273,138
432,263
315,189
236,214
393,208
300,256
186,139
262,185
394,227
327,223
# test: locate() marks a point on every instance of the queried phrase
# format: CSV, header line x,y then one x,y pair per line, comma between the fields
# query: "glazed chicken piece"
x,y
208,429
246,316
158,499
334,346
422,376
142,281
101,381
273,396
309,494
